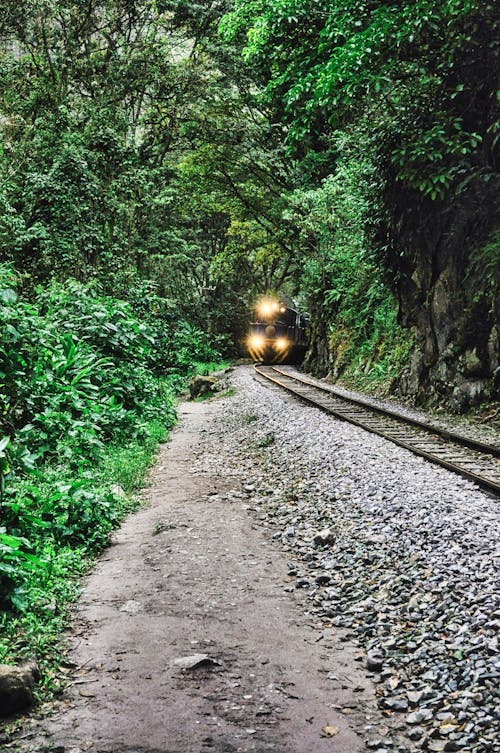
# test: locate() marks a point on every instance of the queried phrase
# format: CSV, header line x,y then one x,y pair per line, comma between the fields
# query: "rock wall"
x,y
318,357
444,265
444,259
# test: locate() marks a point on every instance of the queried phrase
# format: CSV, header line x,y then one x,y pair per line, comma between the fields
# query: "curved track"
x,y
477,461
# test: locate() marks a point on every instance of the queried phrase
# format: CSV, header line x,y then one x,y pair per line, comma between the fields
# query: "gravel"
x,y
464,425
400,555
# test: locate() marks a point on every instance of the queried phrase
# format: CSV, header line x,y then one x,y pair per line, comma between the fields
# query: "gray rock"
x,y
409,548
422,715
202,385
302,583
375,743
195,661
324,537
416,733
374,660
400,703
322,579
415,696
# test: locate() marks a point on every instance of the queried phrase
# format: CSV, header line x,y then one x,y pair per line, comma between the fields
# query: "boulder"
x,y
222,372
16,687
202,385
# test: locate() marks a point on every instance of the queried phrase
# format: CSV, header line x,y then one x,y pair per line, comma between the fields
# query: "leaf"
x,y
8,296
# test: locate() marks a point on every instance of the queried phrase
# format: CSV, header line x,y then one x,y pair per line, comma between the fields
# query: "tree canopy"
x,y
320,149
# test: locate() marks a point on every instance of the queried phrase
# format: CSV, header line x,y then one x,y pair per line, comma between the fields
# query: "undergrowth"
x,y
373,362
87,392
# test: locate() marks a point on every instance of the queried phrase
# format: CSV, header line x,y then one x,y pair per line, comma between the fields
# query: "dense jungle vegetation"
x,y
162,162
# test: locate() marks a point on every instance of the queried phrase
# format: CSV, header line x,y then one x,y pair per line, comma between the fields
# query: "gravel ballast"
x,y
395,552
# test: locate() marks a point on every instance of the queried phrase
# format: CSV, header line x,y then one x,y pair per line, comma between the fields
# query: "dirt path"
x,y
191,574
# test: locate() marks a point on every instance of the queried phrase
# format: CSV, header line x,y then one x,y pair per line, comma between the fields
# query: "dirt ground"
x,y
188,575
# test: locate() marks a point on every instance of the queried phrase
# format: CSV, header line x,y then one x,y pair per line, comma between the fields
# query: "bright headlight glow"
x,y
256,341
267,308
281,343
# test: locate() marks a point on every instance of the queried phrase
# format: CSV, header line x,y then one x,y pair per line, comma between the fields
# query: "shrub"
x,y
78,377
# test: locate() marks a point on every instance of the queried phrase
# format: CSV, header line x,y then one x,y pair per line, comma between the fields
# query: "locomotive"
x,y
278,333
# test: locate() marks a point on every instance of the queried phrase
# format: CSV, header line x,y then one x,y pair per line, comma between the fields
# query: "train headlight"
x,y
268,308
256,341
281,343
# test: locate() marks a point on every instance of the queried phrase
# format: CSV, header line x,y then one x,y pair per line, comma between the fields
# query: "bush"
x,y
86,393
78,377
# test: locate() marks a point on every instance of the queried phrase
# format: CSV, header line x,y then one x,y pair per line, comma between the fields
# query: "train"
x,y
278,333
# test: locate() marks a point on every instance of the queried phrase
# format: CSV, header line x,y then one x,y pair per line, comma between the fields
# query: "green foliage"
x,y
4,464
16,564
376,360
80,374
86,395
418,75
161,164
403,95
486,260
341,277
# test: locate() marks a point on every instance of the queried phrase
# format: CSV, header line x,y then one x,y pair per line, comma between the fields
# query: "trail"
x,y
190,573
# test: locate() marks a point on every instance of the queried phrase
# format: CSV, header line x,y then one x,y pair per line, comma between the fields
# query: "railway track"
x,y
476,461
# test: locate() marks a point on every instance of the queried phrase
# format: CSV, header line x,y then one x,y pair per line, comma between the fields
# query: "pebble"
x,y
416,717
396,704
374,660
400,553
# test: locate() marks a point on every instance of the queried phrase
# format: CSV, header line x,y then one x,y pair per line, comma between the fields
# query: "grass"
x,y
249,418
267,441
215,395
127,466
205,368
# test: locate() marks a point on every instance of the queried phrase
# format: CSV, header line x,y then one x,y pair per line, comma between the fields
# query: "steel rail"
x,y
442,441
474,444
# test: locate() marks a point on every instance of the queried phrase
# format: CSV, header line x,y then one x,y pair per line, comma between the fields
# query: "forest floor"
x,y
292,584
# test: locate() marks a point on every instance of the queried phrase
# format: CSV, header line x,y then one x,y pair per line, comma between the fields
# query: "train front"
x,y
271,337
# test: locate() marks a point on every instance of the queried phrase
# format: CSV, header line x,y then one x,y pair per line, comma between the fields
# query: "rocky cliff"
x,y
446,263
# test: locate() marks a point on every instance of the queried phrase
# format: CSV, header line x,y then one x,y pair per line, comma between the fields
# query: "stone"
x,y
195,661
202,385
322,579
326,536
302,583
375,744
416,733
436,745
374,660
416,717
400,703
415,696
16,687
473,364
